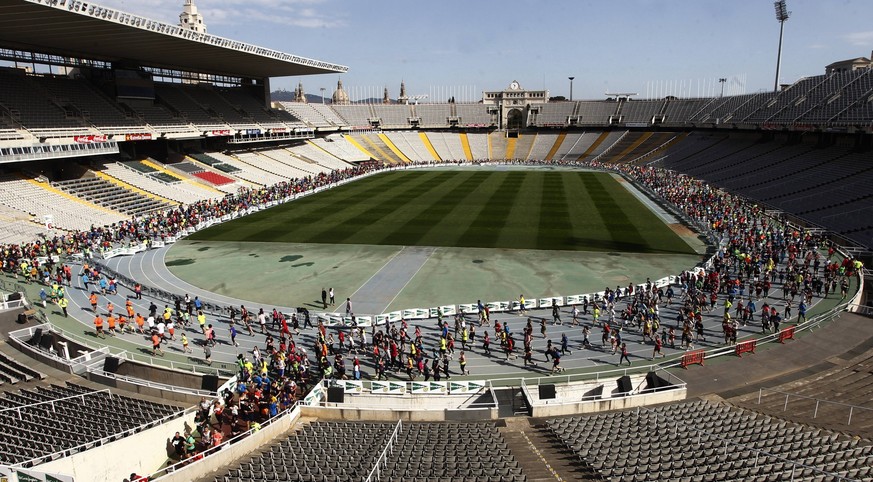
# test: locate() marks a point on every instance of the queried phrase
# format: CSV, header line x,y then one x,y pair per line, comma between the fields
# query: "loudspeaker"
x,y
14,296
37,335
547,392
47,341
624,384
594,392
110,364
653,381
209,383
336,395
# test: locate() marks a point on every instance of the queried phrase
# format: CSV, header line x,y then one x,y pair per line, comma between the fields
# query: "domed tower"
x,y
189,19
339,95
299,96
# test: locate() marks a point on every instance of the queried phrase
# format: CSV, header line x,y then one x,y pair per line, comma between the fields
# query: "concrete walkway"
x,y
777,364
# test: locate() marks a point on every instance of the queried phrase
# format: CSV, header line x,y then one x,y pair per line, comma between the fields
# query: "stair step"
x,y
553,462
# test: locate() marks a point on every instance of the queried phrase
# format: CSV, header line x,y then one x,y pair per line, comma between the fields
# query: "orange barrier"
x,y
786,334
745,347
694,357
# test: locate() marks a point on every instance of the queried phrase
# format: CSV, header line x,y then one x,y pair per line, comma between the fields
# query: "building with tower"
x,y
190,19
850,65
513,105
299,95
340,97
403,98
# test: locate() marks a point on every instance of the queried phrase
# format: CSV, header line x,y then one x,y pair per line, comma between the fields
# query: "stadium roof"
x,y
74,28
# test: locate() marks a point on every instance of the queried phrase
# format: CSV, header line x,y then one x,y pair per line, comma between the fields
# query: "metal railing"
x,y
179,366
675,427
11,305
92,443
12,286
53,401
376,471
156,385
292,411
104,440
676,384
188,368
22,336
818,402
150,360
674,362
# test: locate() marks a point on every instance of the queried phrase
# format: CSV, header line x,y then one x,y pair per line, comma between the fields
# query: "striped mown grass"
x,y
544,210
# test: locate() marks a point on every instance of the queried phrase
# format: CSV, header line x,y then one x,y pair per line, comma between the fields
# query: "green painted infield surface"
x,y
290,274
509,209
283,274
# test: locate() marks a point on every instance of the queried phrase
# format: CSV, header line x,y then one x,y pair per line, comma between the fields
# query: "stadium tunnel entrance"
x,y
514,120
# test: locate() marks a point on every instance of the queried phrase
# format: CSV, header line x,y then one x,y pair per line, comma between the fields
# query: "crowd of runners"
x,y
757,254
765,273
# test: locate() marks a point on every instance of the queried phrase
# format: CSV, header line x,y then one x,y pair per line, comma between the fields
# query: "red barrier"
x,y
694,357
786,334
745,347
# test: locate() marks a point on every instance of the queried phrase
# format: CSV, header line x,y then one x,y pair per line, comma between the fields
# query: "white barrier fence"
x,y
391,387
343,320
16,474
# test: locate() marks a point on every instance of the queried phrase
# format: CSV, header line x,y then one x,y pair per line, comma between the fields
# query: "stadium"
x,y
202,282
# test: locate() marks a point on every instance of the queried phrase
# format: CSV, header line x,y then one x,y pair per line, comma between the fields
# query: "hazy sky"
x,y
462,48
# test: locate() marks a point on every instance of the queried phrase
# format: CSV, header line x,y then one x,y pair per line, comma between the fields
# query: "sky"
x,y
450,47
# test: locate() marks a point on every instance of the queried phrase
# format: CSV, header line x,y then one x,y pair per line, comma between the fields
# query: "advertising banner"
x,y
498,306
387,387
90,139
416,314
467,386
351,386
15,474
430,387
576,299
549,302
447,310
142,136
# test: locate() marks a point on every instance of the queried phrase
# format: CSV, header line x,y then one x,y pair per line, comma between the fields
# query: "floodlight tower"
x,y
722,81
782,15
571,87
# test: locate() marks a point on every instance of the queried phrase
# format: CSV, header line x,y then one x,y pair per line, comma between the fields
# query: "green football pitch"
x,y
523,209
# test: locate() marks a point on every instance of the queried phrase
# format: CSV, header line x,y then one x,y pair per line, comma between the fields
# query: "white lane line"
x,y
410,279
379,271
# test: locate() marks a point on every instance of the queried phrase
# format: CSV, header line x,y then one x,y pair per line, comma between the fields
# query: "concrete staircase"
x,y
541,456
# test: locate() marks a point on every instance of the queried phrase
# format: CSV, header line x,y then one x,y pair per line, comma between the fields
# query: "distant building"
x,y
299,95
850,65
403,98
512,105
189,19
340,97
